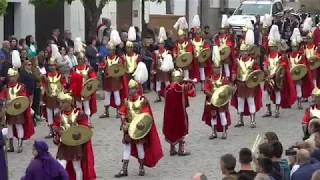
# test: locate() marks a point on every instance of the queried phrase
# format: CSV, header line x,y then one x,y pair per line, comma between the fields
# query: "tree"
x,y
3,7
93,9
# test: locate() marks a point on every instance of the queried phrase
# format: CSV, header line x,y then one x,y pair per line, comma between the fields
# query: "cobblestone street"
x,y
204,156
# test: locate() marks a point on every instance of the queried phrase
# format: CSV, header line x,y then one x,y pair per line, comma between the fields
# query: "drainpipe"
x,y
187,11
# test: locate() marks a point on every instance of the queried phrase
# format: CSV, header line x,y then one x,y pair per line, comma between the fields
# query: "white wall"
x,y
74,19
24,19
179,7
110,12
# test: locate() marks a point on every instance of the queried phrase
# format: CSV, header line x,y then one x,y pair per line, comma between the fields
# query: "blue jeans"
x,y
146,85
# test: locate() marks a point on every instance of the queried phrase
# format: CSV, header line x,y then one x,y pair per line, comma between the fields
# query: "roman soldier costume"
x,y
247,77
216,109
131,59
312,53
175,119
226,45
183,51
18,112
140,136
299,68
267,21
313,111
279,84
53,83
115,85
83,83
161,66
242,39
201,52
73,138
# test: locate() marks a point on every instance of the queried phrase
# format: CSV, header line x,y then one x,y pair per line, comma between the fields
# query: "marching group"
x,y
60,83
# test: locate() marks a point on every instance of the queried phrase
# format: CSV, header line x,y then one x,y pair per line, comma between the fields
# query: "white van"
x,y
250,8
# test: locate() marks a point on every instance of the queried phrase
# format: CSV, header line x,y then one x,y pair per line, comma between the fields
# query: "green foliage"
x,y
3,7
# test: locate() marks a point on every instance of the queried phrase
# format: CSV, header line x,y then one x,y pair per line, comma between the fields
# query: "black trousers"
x,y
36,101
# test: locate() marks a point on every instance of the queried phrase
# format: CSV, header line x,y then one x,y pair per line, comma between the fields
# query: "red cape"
x,y
152,148
257,101
288,93
307,85
75,87
28,126
206,117
175,119
87,161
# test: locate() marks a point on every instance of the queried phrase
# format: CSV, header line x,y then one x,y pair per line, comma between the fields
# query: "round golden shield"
x,y
314,62
76,135
116,70
184,59
204,55
89,87
225,52
17,105
140,126
221,96
298,71
279,77
255,78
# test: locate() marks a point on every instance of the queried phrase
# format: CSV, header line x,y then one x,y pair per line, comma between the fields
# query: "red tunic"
x,y
288,93
211,111
28,126
306,82
257,91
230,43
124,83
87,160
195,73
175,119
160,75
188,48
76,81
153,150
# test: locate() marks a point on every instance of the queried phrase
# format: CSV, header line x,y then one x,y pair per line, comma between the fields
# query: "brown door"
x,y
47,19
124,14
166,21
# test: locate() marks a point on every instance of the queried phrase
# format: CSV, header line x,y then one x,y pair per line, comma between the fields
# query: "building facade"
x,y
23,19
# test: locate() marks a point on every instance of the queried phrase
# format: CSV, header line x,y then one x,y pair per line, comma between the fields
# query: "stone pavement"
x,y
204,156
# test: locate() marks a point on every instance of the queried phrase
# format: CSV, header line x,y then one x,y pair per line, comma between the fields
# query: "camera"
x,y
291,151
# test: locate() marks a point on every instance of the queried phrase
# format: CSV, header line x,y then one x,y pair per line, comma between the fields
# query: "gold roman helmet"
x,y
65,97
129,44
217,64
244,47
161,40
12,72
133,84
181,32
177,75
294,43
52,61
111,46
316,92
310,35
272,43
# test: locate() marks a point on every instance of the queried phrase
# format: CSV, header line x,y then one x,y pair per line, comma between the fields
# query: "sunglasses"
x,y
28,64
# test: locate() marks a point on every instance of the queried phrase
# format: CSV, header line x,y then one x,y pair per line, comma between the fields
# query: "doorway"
x,y
8,21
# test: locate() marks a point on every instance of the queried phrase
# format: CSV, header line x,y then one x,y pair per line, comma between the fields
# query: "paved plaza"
x,y
204,156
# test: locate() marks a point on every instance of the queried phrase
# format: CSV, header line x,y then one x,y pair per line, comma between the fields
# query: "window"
x,y
274,9
253,9
279,6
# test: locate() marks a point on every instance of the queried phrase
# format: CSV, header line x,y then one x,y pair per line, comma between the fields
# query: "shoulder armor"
x,y
144,101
